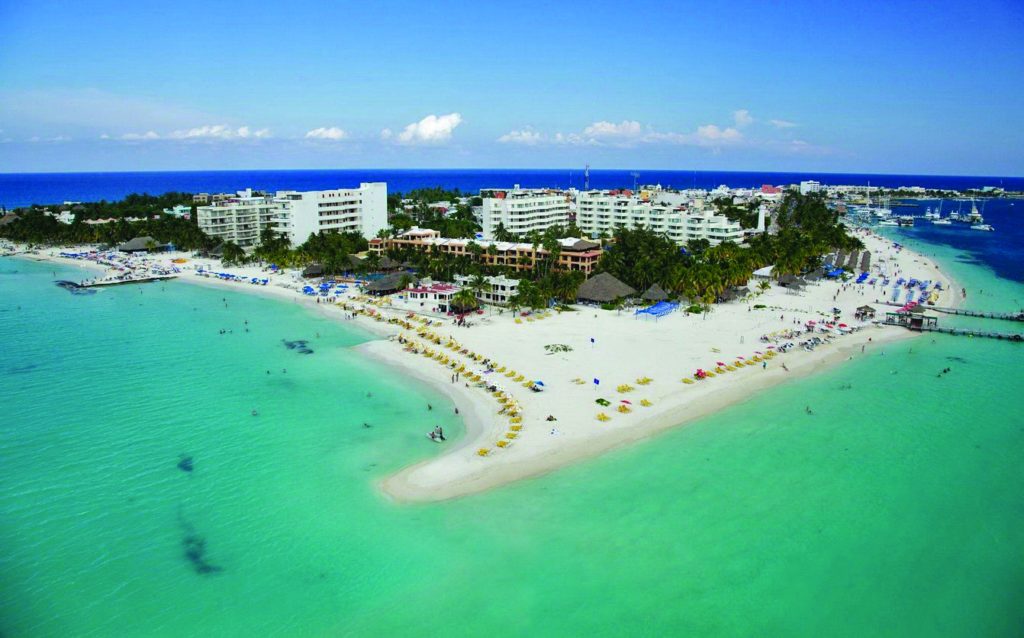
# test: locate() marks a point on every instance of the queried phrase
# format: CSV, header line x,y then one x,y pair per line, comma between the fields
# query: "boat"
x,y
930,214
888,222
905,220
985,227
974,217
942,222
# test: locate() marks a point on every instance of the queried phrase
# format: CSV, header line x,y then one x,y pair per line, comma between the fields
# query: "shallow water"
x,y
895,509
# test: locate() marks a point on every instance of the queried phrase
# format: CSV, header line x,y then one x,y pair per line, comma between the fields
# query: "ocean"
x,y
22,189
897,508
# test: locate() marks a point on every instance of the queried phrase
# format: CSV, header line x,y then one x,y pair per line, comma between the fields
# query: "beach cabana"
x,y
386,285
764,274
604,288
140,245
851,261
865,261
791,281
654,293
865,312
313,270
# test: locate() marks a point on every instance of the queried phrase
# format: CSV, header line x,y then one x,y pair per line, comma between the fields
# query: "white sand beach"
x,y
616,348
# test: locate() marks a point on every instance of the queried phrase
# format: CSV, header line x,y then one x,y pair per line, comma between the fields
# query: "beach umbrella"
x,y
626,402
721,363
539,382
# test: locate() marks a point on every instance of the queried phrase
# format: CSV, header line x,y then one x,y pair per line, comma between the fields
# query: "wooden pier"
x,y
963,312
919,323
1005,316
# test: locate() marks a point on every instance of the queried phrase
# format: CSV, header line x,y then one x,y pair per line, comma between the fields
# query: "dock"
x,y
921,323
1005,316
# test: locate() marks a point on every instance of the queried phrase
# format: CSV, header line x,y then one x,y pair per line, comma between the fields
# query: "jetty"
x,y
1005,316
920,323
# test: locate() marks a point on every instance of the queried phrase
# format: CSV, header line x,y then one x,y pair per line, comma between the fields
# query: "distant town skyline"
x,y
861,87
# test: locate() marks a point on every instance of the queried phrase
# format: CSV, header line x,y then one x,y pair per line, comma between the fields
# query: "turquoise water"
x,y
897,508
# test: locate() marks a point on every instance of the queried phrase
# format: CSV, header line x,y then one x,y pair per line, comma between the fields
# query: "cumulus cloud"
x,y
55,138
782,123
711,133
630,133
627,129
431,129
219,132
526,137
386,134
742,118
332,133
148,135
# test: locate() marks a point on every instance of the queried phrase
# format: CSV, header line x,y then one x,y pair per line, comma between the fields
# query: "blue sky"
x,y
922,87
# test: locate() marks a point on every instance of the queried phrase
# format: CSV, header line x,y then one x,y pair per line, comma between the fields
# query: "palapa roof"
x,y
387,283
313,270
863,309
139,243
655,293
791,280
604,287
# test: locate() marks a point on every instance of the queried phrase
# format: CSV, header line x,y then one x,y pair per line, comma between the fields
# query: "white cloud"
x,y
332,133
386,134
630,133
711,133
782,123
742,118
627,129
148,135
219,132
526,137
55,138
431,129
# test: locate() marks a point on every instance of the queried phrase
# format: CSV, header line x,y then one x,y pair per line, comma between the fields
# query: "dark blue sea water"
x,y
21,189
999,250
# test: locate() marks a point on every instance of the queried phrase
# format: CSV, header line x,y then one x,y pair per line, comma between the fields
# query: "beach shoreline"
x,y
628,349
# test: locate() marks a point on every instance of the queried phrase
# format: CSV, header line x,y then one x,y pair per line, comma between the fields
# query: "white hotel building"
x,y
362,210
240,219
599,212
522,210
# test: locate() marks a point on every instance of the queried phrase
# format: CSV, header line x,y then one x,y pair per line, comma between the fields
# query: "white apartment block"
x,y
809,186
362,210
498,291
238,219
599,212
522,210
242,218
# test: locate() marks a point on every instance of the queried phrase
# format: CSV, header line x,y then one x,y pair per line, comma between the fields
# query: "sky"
x,y
888,87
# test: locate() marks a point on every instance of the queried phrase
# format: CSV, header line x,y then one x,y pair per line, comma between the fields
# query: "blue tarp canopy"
x,y
659,309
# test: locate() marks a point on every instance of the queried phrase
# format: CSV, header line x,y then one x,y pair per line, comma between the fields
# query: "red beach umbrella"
x,y
626,402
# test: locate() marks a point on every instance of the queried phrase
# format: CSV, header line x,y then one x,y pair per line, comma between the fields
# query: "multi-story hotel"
x,y
362,210
522,210
574,254
599,212
240,219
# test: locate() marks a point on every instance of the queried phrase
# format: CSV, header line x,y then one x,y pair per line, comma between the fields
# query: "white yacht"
x,y
985,227
930,214
942,222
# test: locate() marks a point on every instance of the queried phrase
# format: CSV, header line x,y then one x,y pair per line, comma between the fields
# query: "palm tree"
x,y
464,301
